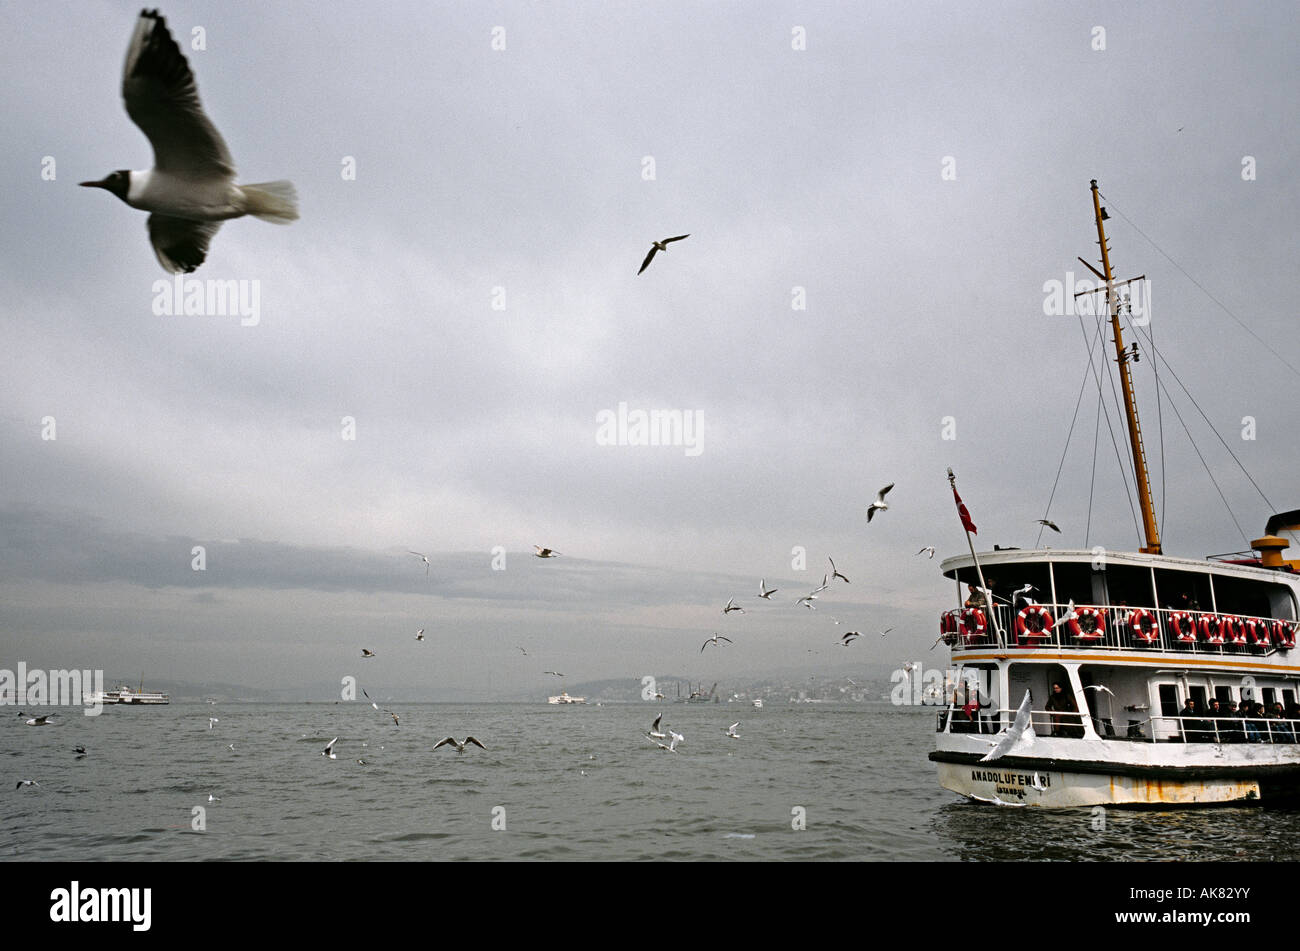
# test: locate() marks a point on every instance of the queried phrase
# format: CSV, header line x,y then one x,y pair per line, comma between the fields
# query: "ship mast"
x,y
1122,357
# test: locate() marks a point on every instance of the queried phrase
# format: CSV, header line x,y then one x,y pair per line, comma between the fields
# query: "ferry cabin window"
x,y
1198,694
1169,700
1252,598
1270,697
1077,582
1183,590
1223,693
1128,585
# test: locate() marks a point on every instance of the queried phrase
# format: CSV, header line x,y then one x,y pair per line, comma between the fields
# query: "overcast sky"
x,y
913,174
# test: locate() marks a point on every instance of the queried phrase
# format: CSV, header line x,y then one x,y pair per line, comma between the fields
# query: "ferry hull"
x,y
1057,789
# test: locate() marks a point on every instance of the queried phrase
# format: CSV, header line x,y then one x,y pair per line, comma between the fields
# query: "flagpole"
x,y
993,614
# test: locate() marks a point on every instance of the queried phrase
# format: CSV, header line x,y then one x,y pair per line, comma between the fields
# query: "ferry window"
x,y
1250,597
1129,585
1077,582
1168,700
1223,694
1198,694
1288,699
1269,697
1182,590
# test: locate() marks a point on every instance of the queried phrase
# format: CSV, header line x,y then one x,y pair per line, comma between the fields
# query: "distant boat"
x,y
124,694
565,698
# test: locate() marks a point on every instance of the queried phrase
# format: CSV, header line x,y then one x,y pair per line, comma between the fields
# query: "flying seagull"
x,y
714,641
671,747
880,502
191,188
849,637
823,586
556,672
460,746
807,601
329,749
885,631
929,548
731,731
367,696
424,558
80,751
40,721
394,716
764,592
25,782
654,729
545,552
1022,727
419,635
212,720
732,606
659,246
367,653
1051,525
835,572
1101,687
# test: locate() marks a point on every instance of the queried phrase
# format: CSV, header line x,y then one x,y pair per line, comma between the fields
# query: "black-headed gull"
x,y
329,749
191,189
459,744
764,592
835,572
732,606
879,504
541,552
659,246
714,641
1051,525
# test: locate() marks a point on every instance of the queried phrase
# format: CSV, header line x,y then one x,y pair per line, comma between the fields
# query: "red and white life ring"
x,y
1094,629
1184,626
1212,628
973,624
1234,629
1284,634
1023,630
1256,632
1144,625
948,627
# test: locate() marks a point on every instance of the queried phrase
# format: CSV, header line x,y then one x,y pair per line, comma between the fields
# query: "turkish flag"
x,y
965,516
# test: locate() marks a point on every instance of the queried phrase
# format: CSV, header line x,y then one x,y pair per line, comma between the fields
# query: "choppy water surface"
x,y
570,783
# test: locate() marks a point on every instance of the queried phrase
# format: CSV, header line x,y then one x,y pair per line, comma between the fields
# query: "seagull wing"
x,y
655,725
443,742
330,745
180,245
163,100
470,739
678,238
648,258
727,639
1013,733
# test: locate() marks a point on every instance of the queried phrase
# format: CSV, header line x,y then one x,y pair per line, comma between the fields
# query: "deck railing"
x,y
1191,632
1219,729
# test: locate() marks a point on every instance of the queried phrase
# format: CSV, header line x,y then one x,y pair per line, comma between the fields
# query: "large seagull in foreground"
x,y
659,246
191,188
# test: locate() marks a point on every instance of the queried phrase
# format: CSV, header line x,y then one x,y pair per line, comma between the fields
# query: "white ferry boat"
x,y
1177,678
124,694
565,698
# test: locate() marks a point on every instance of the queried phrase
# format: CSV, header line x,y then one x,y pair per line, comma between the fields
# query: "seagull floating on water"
x,y
329,749
654,729
460,746
880,502
191,189
40,721
659,246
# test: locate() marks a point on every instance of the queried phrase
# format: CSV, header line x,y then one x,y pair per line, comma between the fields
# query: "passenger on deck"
x,y
1194,728
1249,730
1283,732
1061,703
1220,727
975,598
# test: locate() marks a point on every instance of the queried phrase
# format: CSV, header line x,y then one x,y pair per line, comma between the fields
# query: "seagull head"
x,y
119,183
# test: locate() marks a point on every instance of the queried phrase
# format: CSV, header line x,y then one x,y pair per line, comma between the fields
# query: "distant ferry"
x,y
124,694
565,698
1145,679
